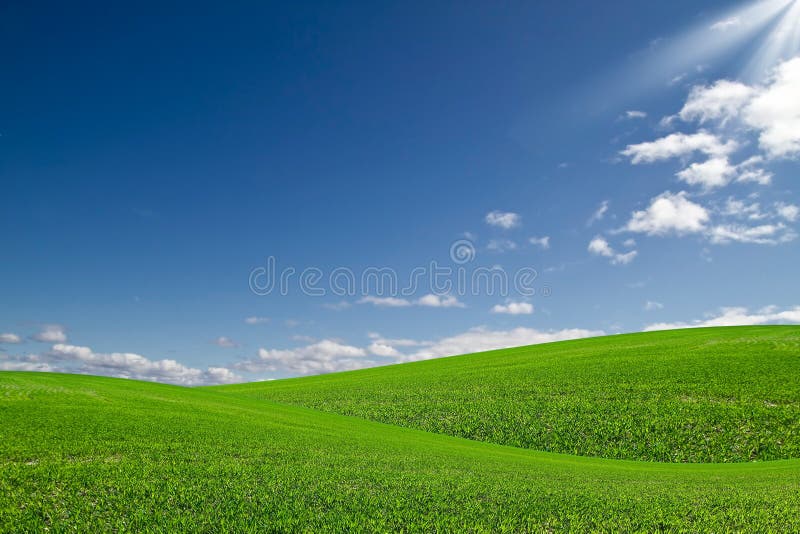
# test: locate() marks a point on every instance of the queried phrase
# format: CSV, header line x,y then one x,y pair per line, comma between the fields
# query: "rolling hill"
x,y
697,395
101,454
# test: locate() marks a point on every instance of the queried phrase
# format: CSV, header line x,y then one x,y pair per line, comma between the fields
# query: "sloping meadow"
x,y
697,395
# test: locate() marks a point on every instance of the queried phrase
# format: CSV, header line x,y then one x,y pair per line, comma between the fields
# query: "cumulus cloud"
x,y
325,356
736,316
541,242
679,145
51,333
382,349
28,362
10,338
440,301
790,212
775,112
221,375
482,339
330,355
78,359
722,100
669,213
772,109
712,173
505,220
600,247
513,308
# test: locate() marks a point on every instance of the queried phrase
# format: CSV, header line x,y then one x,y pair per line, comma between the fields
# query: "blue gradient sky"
x,y
151,157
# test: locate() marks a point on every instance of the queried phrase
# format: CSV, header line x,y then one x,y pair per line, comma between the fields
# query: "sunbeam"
x,y
748,41
780,43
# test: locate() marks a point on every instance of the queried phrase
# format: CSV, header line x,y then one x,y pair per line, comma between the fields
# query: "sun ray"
x,y
781,43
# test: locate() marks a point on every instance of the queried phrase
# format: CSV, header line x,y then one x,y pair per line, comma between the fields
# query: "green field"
x,y
80,453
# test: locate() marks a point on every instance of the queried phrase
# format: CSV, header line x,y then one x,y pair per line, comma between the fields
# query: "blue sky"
x,y
640,157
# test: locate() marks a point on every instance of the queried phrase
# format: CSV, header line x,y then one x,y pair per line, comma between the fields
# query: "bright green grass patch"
x,y
703,395
93,454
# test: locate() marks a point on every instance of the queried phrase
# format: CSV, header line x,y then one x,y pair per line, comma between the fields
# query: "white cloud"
x,y
501,245
513,308
790,212
62,357
382,349
736,316
430,301
669,213
741,209
541,242
714,172
16,365
503,219
722,100
482,339
10,338
440,301
726,24
758,176
401,342
624,258
325,356
599,213
679,145
765,234
256,320
635,114
600,247
51,333
331,356
775,112
225,342
337,306
385,302
652,305
221,375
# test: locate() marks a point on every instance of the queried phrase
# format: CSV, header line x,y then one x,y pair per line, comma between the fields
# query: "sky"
x,y
206,194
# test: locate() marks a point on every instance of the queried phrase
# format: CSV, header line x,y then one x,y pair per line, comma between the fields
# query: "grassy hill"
x,y
99,454
698,395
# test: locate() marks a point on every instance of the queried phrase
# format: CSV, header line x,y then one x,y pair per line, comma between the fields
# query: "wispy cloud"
x,y
503,219
225,342
736,316
599,214
256,320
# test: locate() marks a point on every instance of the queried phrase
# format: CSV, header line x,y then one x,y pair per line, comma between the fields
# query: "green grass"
x,y
92,454
701,395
